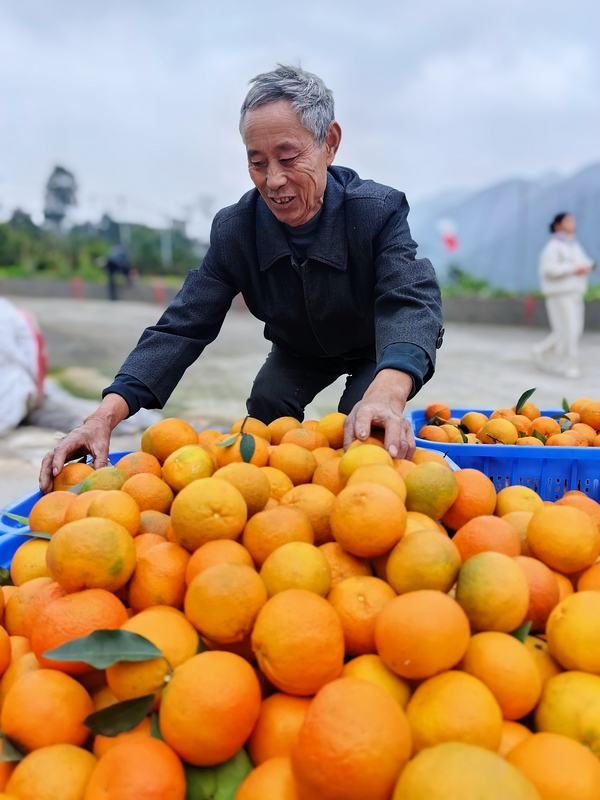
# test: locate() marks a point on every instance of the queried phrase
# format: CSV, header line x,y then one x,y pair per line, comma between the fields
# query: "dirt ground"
x,y
478,367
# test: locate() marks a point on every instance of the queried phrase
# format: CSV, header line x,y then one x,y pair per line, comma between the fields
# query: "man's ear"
x,y
332,141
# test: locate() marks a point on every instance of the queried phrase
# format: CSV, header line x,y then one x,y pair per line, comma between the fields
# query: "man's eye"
x,y
287,161
257,164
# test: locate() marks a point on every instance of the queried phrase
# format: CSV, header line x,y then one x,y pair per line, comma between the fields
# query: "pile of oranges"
x,y
525,424
262,615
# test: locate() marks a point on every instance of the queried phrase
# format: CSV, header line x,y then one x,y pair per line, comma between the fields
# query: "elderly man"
x,y
322,257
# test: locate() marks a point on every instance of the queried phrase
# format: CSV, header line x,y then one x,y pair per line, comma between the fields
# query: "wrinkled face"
x,y
286,165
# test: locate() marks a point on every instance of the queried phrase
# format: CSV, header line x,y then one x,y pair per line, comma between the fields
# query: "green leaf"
x,y
522,632
565,405
463,435
120,717
16,517
102,649
228,442
523,399
538,435
436,420
565,426
5,579
218,783
247,446
76,489
10,752
155,728
31,534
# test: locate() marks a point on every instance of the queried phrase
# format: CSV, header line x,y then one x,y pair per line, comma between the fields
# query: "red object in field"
x,y
76,287
159,292
450,241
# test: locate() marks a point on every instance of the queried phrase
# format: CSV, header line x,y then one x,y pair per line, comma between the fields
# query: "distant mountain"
x,y
502,228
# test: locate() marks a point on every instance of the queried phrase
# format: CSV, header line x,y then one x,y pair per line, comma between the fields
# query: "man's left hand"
x,y
383,405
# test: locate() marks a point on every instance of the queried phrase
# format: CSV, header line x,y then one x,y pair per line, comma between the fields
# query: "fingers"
x,y
46,476
399,439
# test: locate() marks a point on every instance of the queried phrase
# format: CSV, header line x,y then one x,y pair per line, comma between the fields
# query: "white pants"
x,y
566,317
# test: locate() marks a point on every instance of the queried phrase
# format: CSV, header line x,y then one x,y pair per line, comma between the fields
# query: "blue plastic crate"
x,y
549,471
9,541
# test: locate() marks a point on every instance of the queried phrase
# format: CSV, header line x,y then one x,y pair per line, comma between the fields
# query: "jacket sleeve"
x,y
552,264
191,322
408,306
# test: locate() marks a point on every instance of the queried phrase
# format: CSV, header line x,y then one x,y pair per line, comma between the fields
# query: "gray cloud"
x,y
141,98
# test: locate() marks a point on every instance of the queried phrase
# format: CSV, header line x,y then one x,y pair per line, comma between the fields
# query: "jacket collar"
x,y
330,245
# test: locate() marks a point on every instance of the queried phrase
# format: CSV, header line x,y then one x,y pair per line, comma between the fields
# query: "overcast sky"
x,y
140,98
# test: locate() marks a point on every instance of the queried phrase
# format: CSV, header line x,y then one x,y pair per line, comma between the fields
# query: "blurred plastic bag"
x,y
22,365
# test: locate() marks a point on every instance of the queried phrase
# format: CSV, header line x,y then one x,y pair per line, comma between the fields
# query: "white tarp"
x,y
22,365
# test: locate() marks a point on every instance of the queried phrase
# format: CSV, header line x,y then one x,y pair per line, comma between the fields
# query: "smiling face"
x,y
286,165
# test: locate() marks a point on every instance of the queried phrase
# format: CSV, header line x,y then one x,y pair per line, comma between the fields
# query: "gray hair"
x,y
310,98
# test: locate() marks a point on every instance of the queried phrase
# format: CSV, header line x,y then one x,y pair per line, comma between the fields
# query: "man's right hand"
x,y
91,438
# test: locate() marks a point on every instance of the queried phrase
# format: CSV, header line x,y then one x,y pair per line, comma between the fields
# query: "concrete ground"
x,y
479,366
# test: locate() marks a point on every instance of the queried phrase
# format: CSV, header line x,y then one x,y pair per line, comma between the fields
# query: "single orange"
x,y
565,538
316,502
187,464
71,475
459,770
219,551
159,577
476,497
58,770
493,592
45,707
118,506
176,638
342,564
486,533
544,593
298,640
558,767
250,480
454,707
149,492
280,426
223,601
327,475
277,728
227,453
419,634
152,521
337,758
332,426
367,519
437,411
507,668
206,509
423,560
48,513
91,553
358,602
269,529
166,436
210,707
29,561
71,617
252,425
137,766
297,462
139,461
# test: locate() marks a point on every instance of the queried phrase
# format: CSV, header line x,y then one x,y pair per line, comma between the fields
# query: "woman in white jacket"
x,y
563,268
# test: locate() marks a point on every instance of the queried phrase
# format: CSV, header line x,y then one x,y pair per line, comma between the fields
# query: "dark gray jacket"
x,y
360,291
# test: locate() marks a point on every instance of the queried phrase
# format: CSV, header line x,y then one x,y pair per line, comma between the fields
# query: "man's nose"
x,y
276,177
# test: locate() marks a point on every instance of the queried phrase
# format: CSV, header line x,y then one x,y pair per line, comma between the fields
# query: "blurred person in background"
x,y
563,270
322,257
22,365
117,263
